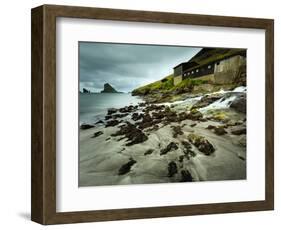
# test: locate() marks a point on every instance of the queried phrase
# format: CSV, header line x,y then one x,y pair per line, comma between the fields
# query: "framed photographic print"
x,y
140,114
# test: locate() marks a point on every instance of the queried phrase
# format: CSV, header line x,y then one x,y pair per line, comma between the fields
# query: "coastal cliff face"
x,y
107,88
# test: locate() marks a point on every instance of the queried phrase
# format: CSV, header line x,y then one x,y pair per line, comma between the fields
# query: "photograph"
x,y
161,114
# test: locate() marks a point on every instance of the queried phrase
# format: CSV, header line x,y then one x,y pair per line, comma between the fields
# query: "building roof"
x,y
210,55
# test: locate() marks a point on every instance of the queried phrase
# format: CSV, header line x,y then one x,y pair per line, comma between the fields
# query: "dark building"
x,y
212,64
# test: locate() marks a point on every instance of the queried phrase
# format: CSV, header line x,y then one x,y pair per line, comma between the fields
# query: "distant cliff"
x,y
107,88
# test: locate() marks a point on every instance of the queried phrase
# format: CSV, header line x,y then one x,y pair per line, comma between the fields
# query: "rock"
x,y
181,157
170,116
147,118
234,123
142,104
242,158
132,133
119,115
154,107
221,116
182,116
112,123
186,145
154,128
186,176
111,111
126,167
206,100
211,127
96,134
148,152
138,137
99,122
107,117
86,126
86,91
158,115
128,109
195,115
193,125
170,147
137,116
240,104
239,131
202,144
187,150
172,169
220,131
107,88
177,131
147,121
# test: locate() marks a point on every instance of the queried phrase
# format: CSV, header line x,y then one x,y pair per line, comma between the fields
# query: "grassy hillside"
x,y
166,85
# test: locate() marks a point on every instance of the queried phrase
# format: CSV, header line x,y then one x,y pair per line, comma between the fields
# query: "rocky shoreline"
x,y
197,139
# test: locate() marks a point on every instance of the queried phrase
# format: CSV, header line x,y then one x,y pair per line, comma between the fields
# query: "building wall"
x,y
226,71
177,79
198,72
220,72
178,70
208,77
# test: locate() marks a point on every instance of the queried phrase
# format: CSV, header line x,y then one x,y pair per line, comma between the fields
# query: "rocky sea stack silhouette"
x,y
107,88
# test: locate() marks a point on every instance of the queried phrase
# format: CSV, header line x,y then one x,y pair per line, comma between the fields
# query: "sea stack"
x,y
107,88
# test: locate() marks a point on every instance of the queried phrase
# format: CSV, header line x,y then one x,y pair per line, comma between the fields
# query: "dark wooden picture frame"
x,y
43,170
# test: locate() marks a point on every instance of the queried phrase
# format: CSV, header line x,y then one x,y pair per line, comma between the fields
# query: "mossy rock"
x,y
202,144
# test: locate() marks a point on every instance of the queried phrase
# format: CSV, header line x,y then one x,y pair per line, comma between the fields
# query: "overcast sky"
x,y
125,66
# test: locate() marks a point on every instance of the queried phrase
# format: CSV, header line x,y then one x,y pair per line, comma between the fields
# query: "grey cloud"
x,y
127,66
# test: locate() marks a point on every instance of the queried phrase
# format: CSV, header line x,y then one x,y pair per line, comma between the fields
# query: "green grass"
x,y
189,84
167,85
162,85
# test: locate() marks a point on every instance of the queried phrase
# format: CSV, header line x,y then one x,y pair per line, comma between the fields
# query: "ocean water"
x,y
93,107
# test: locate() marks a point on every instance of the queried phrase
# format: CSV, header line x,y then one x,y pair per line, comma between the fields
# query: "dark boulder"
x,y
240,104
86,126
99,122
186,176
211,127
181,157
107,117
220,131
132,133
137,116
195,115
111,111
126,167
112,123
177,131
148,152
206,100
182,116
172,169
170,147
96,134
239,131
128,109
193,125
119,115
187,150
202,144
